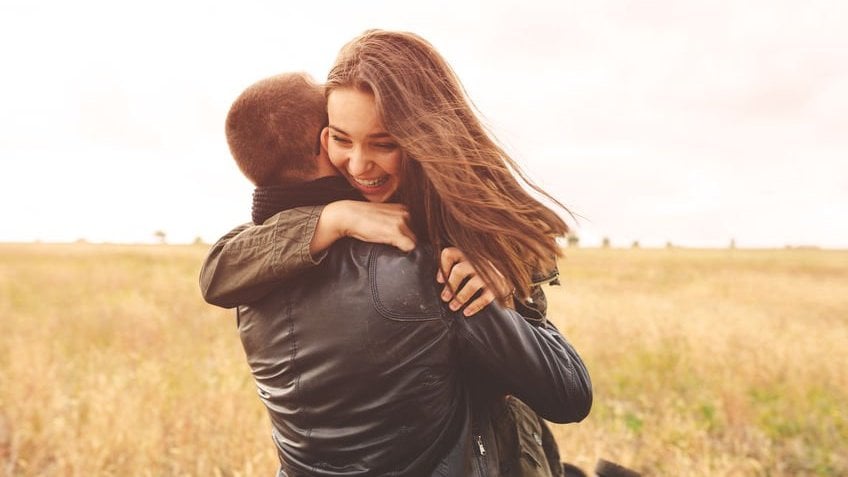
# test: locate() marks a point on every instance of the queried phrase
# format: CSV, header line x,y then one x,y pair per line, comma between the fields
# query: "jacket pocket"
x,y
403,286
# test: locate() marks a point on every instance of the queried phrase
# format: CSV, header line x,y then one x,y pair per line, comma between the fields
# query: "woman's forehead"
x,y
354,112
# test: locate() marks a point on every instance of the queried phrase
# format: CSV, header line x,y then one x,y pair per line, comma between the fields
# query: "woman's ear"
x,y
325,138
322,159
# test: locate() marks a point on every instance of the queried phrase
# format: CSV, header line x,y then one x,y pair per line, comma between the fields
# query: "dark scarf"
x,y
268,200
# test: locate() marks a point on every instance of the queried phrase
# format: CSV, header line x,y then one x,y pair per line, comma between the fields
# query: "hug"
x,y
388,291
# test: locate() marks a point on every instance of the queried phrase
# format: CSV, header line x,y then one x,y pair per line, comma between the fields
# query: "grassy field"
x,y
705,363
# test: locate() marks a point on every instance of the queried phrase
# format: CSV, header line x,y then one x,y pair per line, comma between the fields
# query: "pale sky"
x,y
686,121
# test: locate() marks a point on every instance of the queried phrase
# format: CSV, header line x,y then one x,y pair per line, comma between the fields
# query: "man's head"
x,y
273,130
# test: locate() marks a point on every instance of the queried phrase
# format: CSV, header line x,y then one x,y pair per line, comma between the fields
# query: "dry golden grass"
x,y
704,363
723,362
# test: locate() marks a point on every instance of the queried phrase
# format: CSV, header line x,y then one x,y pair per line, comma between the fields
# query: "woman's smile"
x,y
372,183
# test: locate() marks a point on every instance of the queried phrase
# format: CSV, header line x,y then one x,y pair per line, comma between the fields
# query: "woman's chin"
x,y
378,198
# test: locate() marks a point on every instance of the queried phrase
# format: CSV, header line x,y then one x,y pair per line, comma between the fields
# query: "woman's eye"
x,y
339,139
386,145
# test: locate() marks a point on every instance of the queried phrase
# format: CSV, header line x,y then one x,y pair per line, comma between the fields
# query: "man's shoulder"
x,y
421,259
403,284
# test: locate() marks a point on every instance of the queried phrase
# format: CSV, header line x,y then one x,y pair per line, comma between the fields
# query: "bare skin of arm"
x,y
365,221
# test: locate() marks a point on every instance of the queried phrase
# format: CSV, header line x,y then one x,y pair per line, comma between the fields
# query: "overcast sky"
x,y
686,121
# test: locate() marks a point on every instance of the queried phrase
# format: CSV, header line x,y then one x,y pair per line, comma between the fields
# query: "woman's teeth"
x,y
372,182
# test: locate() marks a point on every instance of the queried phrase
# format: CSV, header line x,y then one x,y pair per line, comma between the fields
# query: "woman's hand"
x,y
366,221
459,269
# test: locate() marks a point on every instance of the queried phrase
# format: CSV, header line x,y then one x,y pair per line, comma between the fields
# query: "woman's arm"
x,y
365,221
251,260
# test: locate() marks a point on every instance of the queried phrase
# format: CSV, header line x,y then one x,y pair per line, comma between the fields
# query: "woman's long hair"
x,y
461,188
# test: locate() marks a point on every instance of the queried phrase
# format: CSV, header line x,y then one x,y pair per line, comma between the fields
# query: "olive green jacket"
x,y
251,260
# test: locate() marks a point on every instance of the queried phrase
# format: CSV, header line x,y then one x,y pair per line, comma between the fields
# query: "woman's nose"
x,y
357,163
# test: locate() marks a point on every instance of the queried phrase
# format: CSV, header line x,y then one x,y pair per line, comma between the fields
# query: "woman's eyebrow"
x,y
338,130
378,135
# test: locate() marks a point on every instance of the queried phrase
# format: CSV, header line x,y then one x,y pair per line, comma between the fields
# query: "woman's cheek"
x,y
393,163
336,157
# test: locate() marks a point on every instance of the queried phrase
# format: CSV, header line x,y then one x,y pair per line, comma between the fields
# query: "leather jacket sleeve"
x,y
251,260
535,363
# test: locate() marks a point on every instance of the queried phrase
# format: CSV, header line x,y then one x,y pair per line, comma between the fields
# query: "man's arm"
x,y
250,261
535,363
532,361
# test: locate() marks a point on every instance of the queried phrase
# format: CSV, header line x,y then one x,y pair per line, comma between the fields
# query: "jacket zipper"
x,y
481,454
481,449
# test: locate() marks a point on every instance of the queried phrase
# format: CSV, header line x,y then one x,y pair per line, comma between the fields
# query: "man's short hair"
x,y
273,128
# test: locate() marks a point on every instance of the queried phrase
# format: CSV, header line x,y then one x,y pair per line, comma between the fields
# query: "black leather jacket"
x,y
365,371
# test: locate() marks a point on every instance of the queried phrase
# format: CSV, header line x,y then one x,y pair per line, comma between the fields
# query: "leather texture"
x,y
365,371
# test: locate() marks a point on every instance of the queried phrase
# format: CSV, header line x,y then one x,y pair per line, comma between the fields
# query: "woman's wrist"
x,y
330,227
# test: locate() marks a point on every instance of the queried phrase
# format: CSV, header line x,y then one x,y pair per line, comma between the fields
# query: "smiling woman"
x,y
359,146
392,91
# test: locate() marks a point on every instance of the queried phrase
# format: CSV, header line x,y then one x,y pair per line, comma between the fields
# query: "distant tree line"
x,y
573,241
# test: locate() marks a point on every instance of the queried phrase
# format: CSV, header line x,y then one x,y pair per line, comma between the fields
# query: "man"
x,y
364,370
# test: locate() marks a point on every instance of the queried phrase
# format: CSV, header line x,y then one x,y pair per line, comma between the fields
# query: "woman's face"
x,y
359,146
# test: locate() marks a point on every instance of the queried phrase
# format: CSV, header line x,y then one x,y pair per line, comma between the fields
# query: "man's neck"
x,y
269,200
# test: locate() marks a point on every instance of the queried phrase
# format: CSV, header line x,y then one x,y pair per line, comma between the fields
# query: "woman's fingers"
x,y
478,304
405,238
469,289
457,274
381,223
502,286
449,257
459,270
472,286
465,282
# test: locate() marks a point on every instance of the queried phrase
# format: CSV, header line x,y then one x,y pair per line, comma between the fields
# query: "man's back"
x,y
360,363
354,384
